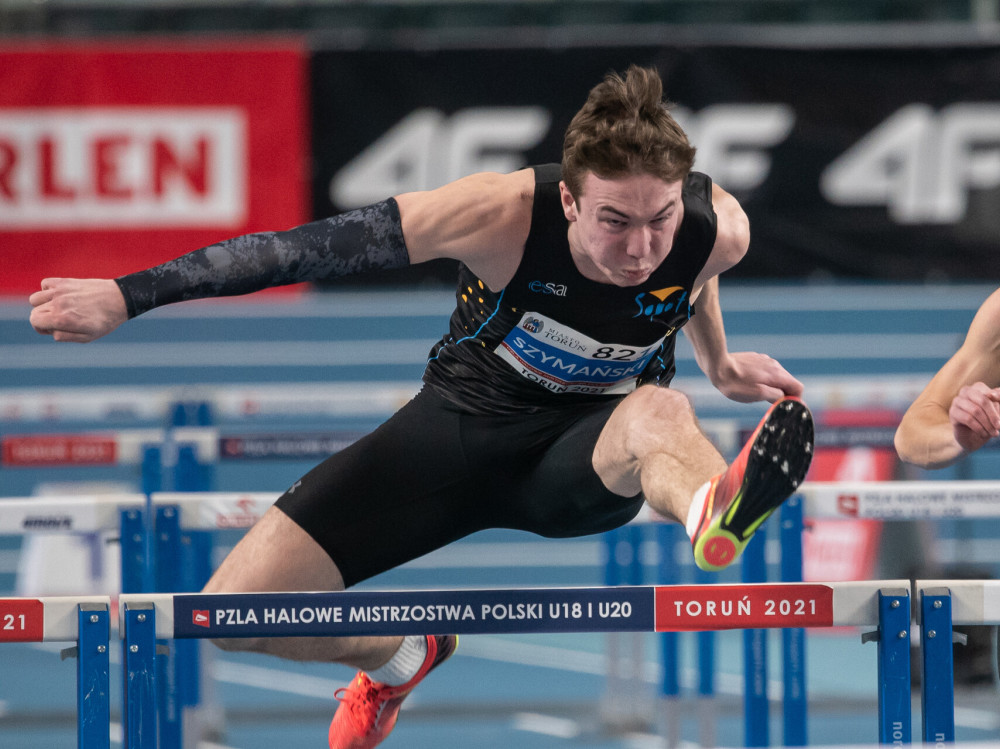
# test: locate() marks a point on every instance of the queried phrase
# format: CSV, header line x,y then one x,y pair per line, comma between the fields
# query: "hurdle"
x,y
186,452
884,605
157,555
178,513
88,514
902,500
943,604
880,500
940,604
85,621
624,565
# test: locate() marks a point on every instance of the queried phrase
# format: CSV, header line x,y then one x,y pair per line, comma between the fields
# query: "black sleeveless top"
x,y
553,337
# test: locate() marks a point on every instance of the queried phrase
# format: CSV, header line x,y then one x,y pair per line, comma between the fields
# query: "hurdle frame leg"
x,y
610,708
640,698
937,693
893,637
626,703
139,675
756,704
705,645
134,559
93,677
670,716
173,667
793,640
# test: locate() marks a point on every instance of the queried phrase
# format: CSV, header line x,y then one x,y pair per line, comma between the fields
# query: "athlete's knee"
x,y
645,421
652,408
665,398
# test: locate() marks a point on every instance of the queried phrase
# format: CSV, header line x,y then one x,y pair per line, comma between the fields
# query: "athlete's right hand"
x,y
78,310
975,415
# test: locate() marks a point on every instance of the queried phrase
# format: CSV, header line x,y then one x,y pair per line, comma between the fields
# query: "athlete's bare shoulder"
x,y
982,343
732,235
482,219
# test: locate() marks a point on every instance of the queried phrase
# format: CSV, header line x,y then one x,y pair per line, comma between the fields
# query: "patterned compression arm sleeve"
x,y
357,241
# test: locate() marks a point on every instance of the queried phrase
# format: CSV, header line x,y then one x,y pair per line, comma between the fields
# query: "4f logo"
x,y
921,164
427,149
734,140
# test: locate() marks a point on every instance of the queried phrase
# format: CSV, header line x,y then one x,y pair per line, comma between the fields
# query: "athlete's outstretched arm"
x,y
959,410
743,376
353,242
468,220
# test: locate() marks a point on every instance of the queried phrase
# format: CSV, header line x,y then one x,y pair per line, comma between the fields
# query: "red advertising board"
x,y
58,450
848,549
115,157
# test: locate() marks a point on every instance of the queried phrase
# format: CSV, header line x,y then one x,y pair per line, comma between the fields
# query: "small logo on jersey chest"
x,y
556,289
672,301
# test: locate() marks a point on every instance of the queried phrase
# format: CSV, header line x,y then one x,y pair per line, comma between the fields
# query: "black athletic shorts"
x,y
432,474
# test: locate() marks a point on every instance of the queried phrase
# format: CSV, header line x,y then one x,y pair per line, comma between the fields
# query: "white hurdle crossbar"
x,y
901,500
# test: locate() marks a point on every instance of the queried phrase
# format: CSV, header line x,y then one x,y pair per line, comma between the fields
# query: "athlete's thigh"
x,y
395,494
276,554
562,495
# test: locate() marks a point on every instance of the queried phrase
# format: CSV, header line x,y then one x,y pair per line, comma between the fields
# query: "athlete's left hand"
x,y
747,377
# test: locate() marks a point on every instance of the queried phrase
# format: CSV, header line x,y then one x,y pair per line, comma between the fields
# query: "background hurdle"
x,y
85,621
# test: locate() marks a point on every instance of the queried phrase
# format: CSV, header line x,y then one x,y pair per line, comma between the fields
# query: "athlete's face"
x,y
622,229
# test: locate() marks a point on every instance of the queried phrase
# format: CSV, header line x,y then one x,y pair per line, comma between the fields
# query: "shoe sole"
x,y
776,465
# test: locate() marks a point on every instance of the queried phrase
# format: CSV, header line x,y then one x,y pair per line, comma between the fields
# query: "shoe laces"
x,y
363,702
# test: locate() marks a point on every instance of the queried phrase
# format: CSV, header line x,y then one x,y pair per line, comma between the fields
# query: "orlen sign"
x,y
114,167
119,156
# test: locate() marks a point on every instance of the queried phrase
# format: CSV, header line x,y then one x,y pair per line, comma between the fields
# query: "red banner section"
x,y
691,608
848,549
22,620
59,450
115,158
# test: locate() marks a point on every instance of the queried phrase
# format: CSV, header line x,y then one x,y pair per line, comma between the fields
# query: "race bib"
x,y
566,361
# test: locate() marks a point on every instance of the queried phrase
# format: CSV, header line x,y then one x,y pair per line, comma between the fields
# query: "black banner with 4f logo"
x,y
880,163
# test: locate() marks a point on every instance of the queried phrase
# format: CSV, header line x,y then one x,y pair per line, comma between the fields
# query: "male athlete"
x,y
545,407
959,410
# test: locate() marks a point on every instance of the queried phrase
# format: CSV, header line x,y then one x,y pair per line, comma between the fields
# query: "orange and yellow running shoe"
x,y
767,471
368,709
